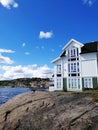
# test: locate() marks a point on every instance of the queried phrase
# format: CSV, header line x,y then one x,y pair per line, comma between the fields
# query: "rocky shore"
x,y
26,82
49,111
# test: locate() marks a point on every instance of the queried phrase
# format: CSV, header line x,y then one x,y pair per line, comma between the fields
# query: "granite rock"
x,y
49,111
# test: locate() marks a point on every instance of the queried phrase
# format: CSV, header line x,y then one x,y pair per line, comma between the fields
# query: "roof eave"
x,y
72,40
53,61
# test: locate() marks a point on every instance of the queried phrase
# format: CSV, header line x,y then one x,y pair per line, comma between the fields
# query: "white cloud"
x,y
24,44
45,35
5,60
14,72
6,51
89,2
43,71
8,3
27,53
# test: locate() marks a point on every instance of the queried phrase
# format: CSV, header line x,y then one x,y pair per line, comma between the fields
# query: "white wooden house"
x,y
76,69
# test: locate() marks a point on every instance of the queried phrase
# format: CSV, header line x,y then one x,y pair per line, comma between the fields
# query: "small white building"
x,y
76,69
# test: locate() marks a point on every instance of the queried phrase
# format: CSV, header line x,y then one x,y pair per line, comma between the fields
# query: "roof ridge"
x,y
91,42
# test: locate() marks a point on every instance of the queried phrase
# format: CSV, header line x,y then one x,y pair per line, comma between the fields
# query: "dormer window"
x,y
73,52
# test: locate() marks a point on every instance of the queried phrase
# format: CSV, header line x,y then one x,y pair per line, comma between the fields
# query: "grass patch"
x,y
73,92
92,93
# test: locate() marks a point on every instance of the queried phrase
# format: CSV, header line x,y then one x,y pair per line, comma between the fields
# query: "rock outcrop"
x,y
26,82
49,111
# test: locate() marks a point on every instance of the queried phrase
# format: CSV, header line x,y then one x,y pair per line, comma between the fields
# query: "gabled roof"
x,y
85,48
90,47
58,58
72,40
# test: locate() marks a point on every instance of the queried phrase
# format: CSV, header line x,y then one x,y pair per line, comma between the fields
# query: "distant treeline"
x,y
25,82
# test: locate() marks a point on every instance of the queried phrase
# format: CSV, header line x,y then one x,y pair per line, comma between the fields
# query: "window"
x,y
58,69
74,83
74,52
88,83
77,52
73,67
58,83
68,67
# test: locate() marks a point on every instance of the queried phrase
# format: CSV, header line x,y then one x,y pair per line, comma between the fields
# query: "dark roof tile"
x,y
90,47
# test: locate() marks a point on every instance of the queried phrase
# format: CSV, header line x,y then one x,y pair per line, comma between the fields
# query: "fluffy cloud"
x,y
89,2
45,34
14,72
6,51
5,60
9,3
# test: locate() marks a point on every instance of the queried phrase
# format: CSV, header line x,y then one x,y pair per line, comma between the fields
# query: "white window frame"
x,y
72,53
59,83
74,83
73,67
59,69
88,83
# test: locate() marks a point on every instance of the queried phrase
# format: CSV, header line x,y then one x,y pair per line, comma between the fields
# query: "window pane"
x,y
58,83
71,53
78,66
74,83
88,82
77,52
59,69
68,67
71,67
74,67
74,52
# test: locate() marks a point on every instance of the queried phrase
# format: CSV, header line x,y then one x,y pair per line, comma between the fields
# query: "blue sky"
x,y
33,33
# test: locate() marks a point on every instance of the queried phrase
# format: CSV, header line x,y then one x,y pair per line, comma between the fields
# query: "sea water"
x,y
8,93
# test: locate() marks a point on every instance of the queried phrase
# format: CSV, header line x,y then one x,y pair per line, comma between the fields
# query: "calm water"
x,y
8,93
